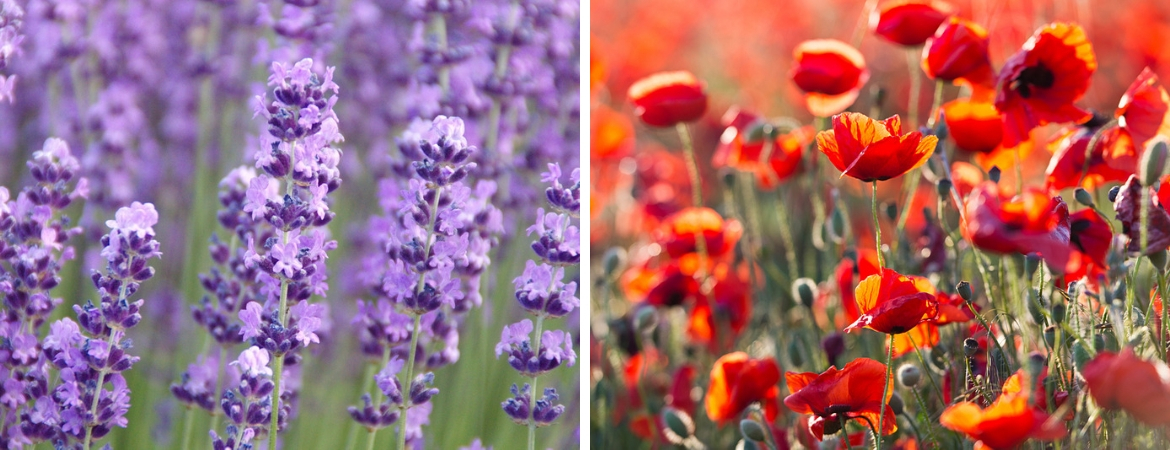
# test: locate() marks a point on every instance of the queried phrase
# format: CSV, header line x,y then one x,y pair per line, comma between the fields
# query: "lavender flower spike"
x,y
542,291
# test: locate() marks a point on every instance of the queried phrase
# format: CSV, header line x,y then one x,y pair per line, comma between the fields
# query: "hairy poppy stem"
x,y
692,165
877,229
848,445
877,435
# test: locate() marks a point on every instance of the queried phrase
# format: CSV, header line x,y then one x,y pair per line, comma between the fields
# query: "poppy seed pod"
x,y
909,375
666,99
678,422
614,260
970,347
958,48
897,405
804,290
964,290
752,430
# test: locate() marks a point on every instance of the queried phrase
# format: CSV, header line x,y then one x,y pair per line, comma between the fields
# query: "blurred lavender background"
x,y
156,98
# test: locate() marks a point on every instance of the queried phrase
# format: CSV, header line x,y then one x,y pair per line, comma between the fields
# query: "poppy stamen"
x,y
1038,75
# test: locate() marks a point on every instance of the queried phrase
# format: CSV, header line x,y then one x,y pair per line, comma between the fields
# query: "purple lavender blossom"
x,y
11,22
248,404
542,292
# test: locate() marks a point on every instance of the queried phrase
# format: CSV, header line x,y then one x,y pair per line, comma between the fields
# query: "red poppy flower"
x,y
871,150
1128,207
1039,84
893,303
848,274
800,428
854,392
909,22
1113,157
957,49
1033,222
1125,381
732,300
663,181
830,73
743,152
973,126
1144,110
668,98
738,381
613,134
678,233
1004,425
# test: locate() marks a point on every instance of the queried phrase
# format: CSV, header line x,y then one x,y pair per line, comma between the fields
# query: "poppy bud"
x,y
666,99
805,291
613,260
896,404
1031,263
1113,191
1154,162
752,430
646,319
1119,290
970,347
838,226
944,188
964,290
879,96
1036,364
1158,258
939,357
909,375
1081,355
1050,335
892,210
795,353
994,174
678,422
834,346
1058,312
1083,197
747,445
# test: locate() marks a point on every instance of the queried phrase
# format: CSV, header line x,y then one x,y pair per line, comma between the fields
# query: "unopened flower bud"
x,y
613,260
1083,197
804,290
645,319
752,430
1113,191
909,375
678,423
994,174
944,188
1153,164
896,404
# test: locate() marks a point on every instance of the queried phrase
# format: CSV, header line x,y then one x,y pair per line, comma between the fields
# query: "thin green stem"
x,y
406,404
531,421
377,395
915,85
877,438
877,229
692,164
188,426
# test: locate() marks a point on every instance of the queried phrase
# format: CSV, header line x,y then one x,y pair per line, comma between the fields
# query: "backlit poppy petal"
x,y
1125,381
1039,84
668,98
830,73
853,392
871,150
892,303
738,381
958,48
1033,222
909,22
1144,110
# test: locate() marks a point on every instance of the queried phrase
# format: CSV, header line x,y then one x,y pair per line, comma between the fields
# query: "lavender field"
x,y
303,224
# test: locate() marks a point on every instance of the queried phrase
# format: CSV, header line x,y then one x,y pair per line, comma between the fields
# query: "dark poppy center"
x,y
837,409
1037,76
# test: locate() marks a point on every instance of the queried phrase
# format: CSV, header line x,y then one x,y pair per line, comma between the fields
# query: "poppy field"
x,y
890,224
